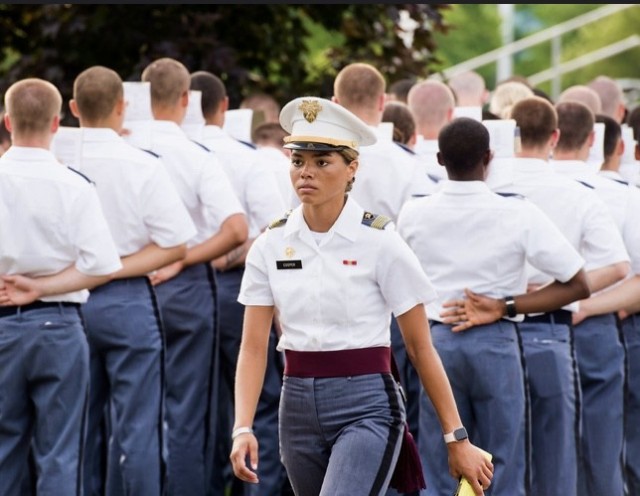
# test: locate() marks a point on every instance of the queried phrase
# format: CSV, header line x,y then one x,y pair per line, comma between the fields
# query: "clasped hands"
x,y
472,310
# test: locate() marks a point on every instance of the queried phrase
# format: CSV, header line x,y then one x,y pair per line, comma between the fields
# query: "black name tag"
x,y
288,264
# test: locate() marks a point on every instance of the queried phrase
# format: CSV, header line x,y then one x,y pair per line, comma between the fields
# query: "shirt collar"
x,y
345,225
99,134
450,187
29,154
168,127
211,131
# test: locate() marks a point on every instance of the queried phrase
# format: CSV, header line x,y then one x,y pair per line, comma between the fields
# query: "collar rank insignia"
x,y
310,109
375,221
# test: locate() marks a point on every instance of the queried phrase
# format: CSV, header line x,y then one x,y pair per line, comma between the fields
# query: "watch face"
x,y
460,434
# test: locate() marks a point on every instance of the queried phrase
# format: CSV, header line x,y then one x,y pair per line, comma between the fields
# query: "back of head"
x,y
611,96
537,119
263,104
612,135
633,121
583,94
32,104
169,80
358,87
399,90
431,102
506,95
575,121
269,134
212,90
463,144
96,91
469,89
404,126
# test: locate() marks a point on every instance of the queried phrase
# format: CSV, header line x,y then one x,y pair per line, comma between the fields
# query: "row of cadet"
x,y
164,333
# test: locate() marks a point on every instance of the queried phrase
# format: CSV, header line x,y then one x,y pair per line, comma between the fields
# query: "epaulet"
x,y
510,195
280,222
419,195
375,221
585,184
250,145
405,148
150,152
434,178
81,175
617,180
201,146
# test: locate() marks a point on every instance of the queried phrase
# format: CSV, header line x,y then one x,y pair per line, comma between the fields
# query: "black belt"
x,y
555,317
8,311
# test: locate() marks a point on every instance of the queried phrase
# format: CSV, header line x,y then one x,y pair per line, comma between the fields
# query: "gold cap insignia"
x,y
310,109
289,252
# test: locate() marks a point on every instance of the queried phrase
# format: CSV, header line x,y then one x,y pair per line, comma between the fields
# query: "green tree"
x,y
285,50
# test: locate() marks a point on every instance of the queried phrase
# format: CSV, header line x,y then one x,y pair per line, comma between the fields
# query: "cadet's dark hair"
x,y
463,143
612,134
537,119
212,89
575,121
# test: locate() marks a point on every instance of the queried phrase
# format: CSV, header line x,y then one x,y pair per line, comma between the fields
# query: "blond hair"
x,y
32,104
169,80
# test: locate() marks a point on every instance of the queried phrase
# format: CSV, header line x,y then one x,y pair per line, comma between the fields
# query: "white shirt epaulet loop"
x,y
282,221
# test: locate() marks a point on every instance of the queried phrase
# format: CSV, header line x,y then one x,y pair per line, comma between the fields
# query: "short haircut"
x,y
96,91
400,89
169,81
537,119
612,134
463,143
269,133
404,125
633,121
468,86
32,104
610,94
430,102
575,121
583,94
212,89
262,102
359,86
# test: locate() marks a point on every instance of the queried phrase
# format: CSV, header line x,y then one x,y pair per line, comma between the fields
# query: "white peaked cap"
x,y
319,124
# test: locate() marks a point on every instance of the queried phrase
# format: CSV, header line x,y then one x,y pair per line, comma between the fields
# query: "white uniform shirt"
x,y
50,219
387,177
616,196
138,199
466,236
576,210
198,176
427,151
347,287
253,183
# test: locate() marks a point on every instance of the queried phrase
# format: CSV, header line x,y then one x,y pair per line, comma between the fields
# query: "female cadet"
x,y
334,273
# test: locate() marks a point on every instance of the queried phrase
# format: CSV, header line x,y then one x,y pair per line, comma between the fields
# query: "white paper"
x,y
238,123
596,152
502,137
474,113
137,95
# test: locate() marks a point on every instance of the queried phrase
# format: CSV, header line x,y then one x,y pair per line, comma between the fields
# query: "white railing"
x,y
554,34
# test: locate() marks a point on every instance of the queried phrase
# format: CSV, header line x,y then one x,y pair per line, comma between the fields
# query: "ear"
x,y
637,154
7,122
354,166
381,100
554,138
620,148
184,99
224,105
55,124
487,157
592,138
73,106
440,158
120,107
450,115
334,99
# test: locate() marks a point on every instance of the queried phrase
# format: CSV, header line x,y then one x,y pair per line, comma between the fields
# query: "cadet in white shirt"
x,y
335,273
186,289
600,353
616,299
54,243
547,338
257,190
467,237
150,227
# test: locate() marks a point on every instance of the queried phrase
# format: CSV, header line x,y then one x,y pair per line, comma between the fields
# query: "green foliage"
x,y
285,50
